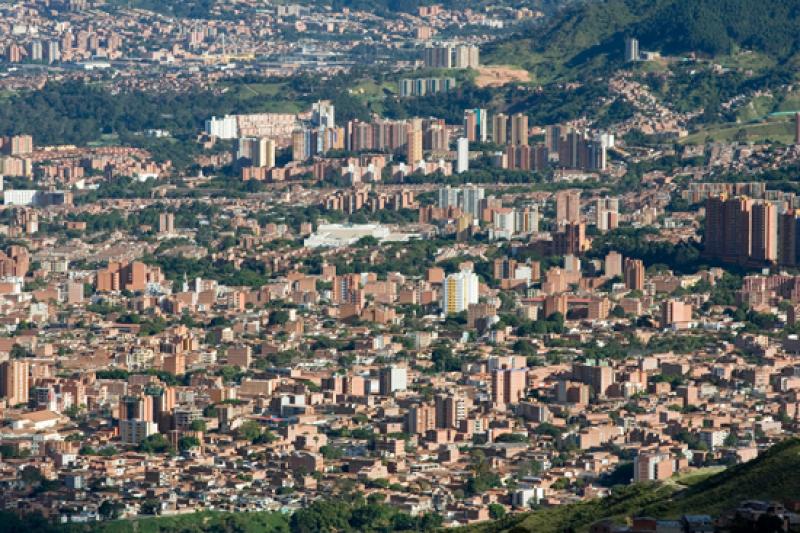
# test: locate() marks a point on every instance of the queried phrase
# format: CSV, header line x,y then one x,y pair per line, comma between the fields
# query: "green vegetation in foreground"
x,y
256,522
772,476
351,513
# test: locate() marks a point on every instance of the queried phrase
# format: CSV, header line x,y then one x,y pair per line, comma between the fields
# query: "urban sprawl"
x,y
462,314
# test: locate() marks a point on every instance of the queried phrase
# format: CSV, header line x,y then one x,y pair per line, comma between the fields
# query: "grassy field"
x,y
790,102
756,109
106,139
371,90
266,97
777,129
746,61
659,65
694,477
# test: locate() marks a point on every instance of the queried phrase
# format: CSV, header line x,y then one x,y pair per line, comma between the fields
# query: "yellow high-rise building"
x,y
414,147
460,290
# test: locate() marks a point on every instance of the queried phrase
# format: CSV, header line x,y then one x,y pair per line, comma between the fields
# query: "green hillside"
x,y
589,38
773,476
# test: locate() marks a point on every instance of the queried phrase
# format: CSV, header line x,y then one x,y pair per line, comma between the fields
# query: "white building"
x,y
523,272
713,438
448,197
19,196
526,220
323,114
504,220
632,50
472,200
524,497
37,420
33,197
339,235
393,379
462,159
222,128
606,140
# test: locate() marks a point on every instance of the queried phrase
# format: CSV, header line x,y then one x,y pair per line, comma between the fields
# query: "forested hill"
x,y
588,37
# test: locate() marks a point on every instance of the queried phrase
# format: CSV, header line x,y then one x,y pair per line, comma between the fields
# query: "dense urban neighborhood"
x,y
336,266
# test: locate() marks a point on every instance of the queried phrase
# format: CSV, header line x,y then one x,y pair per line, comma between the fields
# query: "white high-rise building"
x,y
526,220
53,52
472,200
448,197
606,213
462,159
504,221
222,128
631,50
393,379
460,290
322,114
36,51
607,140
260,151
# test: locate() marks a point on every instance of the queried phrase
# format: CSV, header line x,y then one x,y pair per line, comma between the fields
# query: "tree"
x,y
331,452
187,443
87,450
321,516
444,360
545,428
496,511
107,451
279,317
111,510
531,468
483,477
150,506
367,241
156,443
512,437
249,430
19,352
31,475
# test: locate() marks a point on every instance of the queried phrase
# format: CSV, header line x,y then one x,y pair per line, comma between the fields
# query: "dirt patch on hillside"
x,y
497,76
